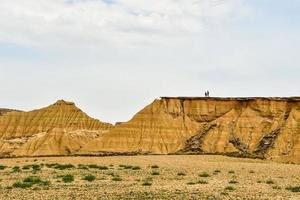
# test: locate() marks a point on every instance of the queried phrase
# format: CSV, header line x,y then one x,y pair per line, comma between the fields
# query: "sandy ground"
x,y
177,177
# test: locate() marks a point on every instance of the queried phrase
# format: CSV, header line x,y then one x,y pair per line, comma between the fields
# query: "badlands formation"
x,y
267,128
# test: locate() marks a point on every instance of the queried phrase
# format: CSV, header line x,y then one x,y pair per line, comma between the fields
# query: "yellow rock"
x,y
251,127
267,128
58,129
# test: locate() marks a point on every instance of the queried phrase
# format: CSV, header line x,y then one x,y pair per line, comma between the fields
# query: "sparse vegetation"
x,y
202,182
60,166
224,193
293,189
187,181
181,174
204,174
67,178
29,182
100,167
233,182
21,185
136,168
2,167
16,169
229,188
147,183
191,183
80,166
276,187
89,178
34,167
116,178
155,173
269,181
126,166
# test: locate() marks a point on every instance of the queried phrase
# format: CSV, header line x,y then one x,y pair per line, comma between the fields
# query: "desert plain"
x,y
147,177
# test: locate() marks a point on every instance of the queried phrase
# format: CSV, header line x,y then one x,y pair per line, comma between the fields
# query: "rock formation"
x,y
58,129
267,128
251,127
5,110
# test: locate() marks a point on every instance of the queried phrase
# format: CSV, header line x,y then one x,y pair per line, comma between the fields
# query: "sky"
x,y
114,57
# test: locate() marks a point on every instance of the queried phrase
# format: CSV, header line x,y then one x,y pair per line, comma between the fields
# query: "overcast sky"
x,y
113,57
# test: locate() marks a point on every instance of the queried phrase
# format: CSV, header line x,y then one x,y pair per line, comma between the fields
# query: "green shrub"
x,y
233,182
155,173
136,168
191,183
154,166
64,166
103,167
16,169
22,185
126,166
181,174
34,167
269,181
89,178
204,174
93,166
217,171
293,189
2,167
147,183
68,178
202,182
276,187
116,178
230,188
26,167
231,172
80,166
60,166
30,181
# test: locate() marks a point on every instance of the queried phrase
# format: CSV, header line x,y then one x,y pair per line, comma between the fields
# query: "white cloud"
x,y
114,58
94,22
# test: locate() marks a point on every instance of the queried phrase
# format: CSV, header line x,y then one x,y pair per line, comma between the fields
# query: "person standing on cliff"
x,y
207,93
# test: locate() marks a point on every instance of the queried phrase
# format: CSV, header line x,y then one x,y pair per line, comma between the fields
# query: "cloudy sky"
x,y
113,57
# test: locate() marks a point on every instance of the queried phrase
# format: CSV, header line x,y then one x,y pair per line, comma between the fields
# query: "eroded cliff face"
x,y
5,110
260,127
58,129
267,128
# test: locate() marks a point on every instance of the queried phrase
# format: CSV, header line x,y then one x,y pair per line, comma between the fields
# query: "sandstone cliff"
x,y
58,129
259,127
267,128
5,110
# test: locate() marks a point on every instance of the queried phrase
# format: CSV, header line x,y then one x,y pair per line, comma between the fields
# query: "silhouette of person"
x,y
207,93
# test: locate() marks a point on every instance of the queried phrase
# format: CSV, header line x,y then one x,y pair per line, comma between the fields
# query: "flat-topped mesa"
x,y
61,114
292,98
263,127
